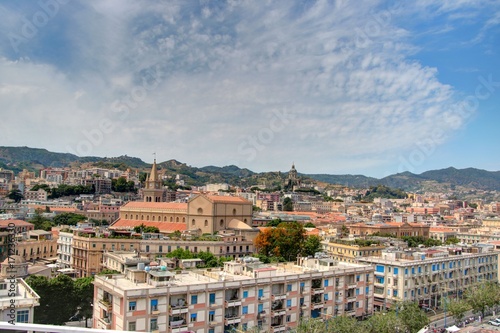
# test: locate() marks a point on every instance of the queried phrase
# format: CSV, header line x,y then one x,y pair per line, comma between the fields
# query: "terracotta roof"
x,y
156,205
162,226
18,223
226,199
440,229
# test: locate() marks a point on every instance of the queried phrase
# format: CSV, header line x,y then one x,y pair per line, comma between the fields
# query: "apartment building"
x,y
36,245
25,299
394,228
245,293
427,275
227,243
65,248
88,248
351,251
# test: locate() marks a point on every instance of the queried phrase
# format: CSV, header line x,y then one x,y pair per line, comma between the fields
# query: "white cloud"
x,y
208,84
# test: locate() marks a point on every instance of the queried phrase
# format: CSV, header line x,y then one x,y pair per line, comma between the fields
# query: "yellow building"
x,y
351,251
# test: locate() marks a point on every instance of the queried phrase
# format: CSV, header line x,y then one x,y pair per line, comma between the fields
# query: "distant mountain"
x,y
34,159
439,180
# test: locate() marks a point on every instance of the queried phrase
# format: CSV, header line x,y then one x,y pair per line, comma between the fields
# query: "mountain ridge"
x,y
34,159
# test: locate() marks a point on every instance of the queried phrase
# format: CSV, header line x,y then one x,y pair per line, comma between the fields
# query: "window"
x,y
325,297
325,283
154,305
131,326
396,271
244,310
23,316
193,317
153,324
211,298
288,303
245,294
357,291
212,330
260,308
132,306
211,316
288,287
194,299
288,318
261,292
358,278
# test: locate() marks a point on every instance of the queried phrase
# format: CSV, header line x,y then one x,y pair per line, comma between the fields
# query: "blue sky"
x,y
364,87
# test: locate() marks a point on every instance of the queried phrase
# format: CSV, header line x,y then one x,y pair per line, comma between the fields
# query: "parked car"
x,y
494,322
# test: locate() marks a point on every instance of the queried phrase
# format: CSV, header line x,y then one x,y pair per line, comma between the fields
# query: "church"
x,y
206,214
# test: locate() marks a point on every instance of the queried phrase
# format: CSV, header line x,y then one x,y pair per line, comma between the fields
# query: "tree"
x,y
452,240
52,292
346,324
344,231
15,195
312,245
122,185
40,222
180,253
287,205
285,242
84,295
309,325
309,225
385,322
274,222
69,219
482,296
457,308
412,316
148,229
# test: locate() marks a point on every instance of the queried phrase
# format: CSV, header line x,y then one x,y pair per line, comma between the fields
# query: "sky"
x,y
339,87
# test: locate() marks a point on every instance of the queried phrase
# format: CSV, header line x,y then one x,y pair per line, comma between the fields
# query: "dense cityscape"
x,y
140,250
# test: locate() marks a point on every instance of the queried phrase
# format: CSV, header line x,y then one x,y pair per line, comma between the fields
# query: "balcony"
x,y
178,325
232,319
178,309
316,291
318,305
279,312
278,297
351,285
229,303
278,328
105,322
105,304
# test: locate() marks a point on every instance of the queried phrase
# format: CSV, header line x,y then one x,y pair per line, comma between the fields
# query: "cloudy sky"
x,y
360,87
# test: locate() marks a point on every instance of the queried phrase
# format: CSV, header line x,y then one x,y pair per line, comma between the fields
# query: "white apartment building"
x,y
65,249
427,275
245,293
24,301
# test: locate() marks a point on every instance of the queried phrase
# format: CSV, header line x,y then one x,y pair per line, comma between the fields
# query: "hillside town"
x,y
215,258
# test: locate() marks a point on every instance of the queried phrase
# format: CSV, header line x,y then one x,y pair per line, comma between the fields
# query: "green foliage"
x,y
64,190
483,296
412,316
382,191
311,245
386,322
287,205
72,294
452,240
15,195
457,308
148,229
274,223
40,222
309,325
345,324
309,225
69,219
108,272
415,241
285,242
122,185
180,253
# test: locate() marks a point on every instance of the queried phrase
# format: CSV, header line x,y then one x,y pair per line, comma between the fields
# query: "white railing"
x,y
52,328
